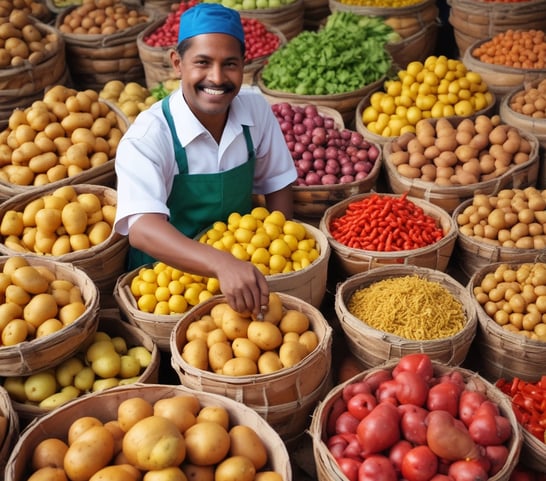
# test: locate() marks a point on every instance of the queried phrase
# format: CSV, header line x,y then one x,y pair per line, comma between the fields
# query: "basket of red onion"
x,y
333,162
415,419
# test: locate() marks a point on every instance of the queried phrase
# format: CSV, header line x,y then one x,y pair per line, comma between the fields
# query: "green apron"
x,y
198,200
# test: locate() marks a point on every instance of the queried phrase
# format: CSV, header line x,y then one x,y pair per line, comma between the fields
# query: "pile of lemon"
x,y
274,244
437,87
165,290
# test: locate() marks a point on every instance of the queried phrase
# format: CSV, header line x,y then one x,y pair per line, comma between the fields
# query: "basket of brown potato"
x,y
49,309
279,366
506,227
446,161
100,38
128,432
67,137
9,427
72,223
32,57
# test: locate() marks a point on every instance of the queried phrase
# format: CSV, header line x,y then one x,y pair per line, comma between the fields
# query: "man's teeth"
x,y
213,91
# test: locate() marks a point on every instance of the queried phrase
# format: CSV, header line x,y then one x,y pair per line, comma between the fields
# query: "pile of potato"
x,y
514,218
233,344
36,8
101,17
107,362
531,101
451,154
131,98
58,223
62,135
22,41
35,303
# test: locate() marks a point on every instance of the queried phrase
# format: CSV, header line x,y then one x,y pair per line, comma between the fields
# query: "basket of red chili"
x,y
370,230
529,405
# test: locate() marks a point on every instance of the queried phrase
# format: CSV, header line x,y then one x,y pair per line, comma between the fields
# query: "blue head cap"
x,y
210,18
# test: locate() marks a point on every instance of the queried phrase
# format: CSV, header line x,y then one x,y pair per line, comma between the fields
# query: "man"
x,y
201,154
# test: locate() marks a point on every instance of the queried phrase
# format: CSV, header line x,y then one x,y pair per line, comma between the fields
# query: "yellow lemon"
x,y
260,256
135,286
147,288
147,302
277,263
228,241
248,222
272,230
250,249
464,108
191,294
219,244
260,239
213,285
204,295
263,269
369,114
233,220
259,213
291,240
243,235
276,217
219,226
175,287
159,266
214,235
294,228
414,114
162,308
394,88
415,67
279,246
306,244
162,293
375,100
178,304
148,275
239,252
185,279
163,278
387,105
176,274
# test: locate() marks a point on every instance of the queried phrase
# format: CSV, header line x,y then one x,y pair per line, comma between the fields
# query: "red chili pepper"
x,y
385,223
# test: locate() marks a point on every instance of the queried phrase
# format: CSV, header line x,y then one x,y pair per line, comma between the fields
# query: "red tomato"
x,y
346,423
419,464
497,456
412,423
397,453
469,402
376,468
349,467
467,471
487,429
353,388
444,396
412,388
361,404
380,429
417,363
338,407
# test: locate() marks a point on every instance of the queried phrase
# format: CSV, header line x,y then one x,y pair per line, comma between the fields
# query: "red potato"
x,y
349,467
412,388
487,429
378,377
338,407
448,437
471,470
497,456
469,402
361,404
444,396
346,423
413,423
419,464
386,392
380,429
397,453
376,468
354,388
417,363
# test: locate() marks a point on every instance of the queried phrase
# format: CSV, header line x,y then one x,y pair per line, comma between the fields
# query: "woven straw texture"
x,y
473,255
327,467
110,322
474,20
353,261
12,428
27,358
416,47
373,347
282,397
287,18
526,123
104,405
504,354
451,197
94,60
104,262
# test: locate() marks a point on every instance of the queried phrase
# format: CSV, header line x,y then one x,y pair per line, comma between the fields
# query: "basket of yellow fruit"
x,y
130,98
9,427
117,354
291,254
153,297
279,366
437,87
150,430
49,310
72,223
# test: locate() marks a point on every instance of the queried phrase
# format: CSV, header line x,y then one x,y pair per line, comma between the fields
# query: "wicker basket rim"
x,y
384,11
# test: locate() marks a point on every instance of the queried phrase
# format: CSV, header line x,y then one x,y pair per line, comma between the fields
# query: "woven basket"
x,y
276,396
526,123
56,8
353,261
27,358
20,86
500,79
288,18
104,262
416,47
474,20
451,197
94,60
104,405
103,174
504,354
12,428
344,103
372,346
160,6
472,255
109,321
533,452
382,140
327,467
